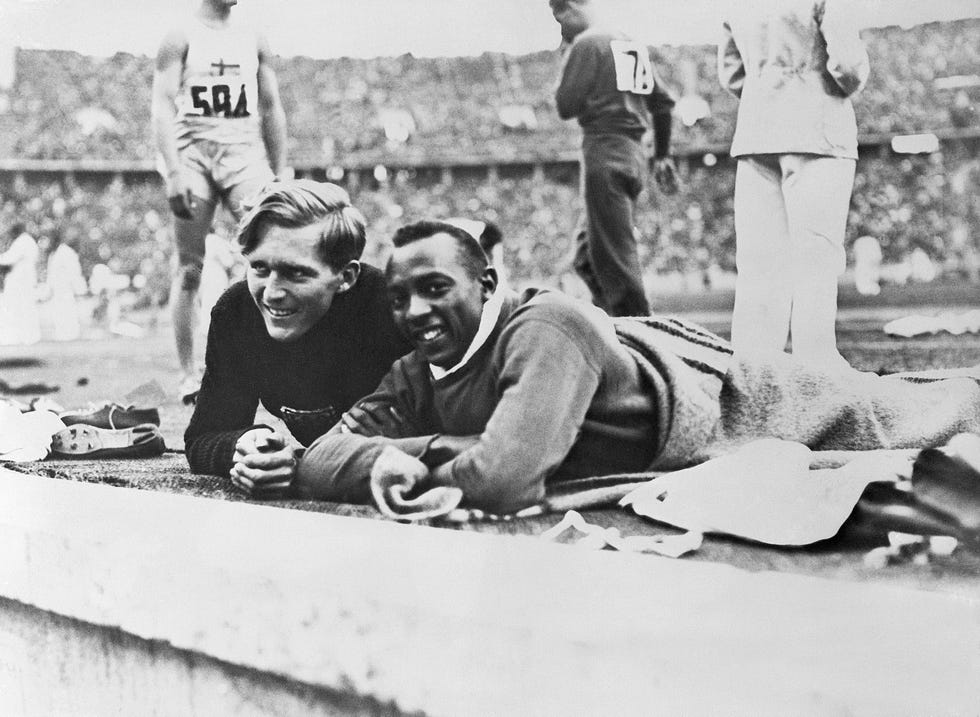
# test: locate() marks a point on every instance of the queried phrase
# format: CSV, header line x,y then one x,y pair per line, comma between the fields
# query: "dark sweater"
x,y
339,360
591,91
552,395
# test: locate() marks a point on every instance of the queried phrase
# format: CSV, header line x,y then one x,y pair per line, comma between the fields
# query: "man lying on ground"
x,y
505,392
307,333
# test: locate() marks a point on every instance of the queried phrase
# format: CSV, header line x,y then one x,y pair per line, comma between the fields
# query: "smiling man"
x,y
307,333
507,392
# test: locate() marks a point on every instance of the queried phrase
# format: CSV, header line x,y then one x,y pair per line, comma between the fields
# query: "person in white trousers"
x,y
794,65
65,283
20,320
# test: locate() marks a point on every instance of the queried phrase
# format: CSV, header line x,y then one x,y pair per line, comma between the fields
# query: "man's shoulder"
x,y
598,37
555,307
368,291
235,302
371,278
176,35
548,323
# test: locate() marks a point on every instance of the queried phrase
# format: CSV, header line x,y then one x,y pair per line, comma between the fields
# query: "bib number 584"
x,y
216,100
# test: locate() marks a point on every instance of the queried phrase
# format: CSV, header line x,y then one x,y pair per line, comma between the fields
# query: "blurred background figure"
x,y
20,320
223,265
108,286
610,85
793,64
922,268
867,265
65,283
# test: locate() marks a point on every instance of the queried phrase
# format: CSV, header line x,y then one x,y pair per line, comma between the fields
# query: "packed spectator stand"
x,y
413,137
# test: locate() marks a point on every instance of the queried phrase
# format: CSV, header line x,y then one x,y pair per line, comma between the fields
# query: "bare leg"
x,y
184,312
190,234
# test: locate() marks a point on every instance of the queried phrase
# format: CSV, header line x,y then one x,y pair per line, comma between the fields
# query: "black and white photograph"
x,y
465,358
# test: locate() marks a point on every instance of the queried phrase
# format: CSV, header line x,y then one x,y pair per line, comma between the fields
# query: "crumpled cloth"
x,y
765,491
26,436
392,496
596,538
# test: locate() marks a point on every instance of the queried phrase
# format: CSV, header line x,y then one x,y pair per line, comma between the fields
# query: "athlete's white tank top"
x,y
218,98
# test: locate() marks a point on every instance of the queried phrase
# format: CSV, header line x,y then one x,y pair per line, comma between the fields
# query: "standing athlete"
x,y
220,132
609,84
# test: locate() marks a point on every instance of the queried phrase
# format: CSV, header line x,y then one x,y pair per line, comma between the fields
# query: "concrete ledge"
x,y
53,665
451,623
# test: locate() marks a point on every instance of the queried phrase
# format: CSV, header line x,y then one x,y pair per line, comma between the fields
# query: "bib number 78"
x,y
634,72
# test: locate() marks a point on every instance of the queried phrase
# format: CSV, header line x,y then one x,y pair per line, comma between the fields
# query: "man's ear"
x,y
488,280
349,274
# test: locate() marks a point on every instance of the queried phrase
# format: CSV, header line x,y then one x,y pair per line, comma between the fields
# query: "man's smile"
x,y
428,335
278,313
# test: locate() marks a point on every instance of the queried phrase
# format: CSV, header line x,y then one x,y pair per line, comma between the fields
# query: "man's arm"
x,y
273,116
847,57
578,76
661,104
502,470
337,466
226,404
548,381
166,85
731,68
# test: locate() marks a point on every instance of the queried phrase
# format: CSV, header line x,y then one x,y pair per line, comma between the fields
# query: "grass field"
x,y
109,367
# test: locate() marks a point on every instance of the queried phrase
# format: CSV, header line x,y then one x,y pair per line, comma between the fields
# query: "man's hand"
x,y
264,464
368,419
665,174
179,196
395,470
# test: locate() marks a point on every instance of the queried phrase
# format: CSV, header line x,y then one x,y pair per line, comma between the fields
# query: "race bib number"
x,y
218,100
634,72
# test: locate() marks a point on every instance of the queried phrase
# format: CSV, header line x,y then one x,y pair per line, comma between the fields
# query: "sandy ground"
x,y
109,368
106,367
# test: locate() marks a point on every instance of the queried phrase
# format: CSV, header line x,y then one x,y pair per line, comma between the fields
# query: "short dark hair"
x,y
300,203
17,228
468,250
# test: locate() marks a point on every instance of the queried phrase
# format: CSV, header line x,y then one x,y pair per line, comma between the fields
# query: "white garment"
x,y
20,320
66,283
790,217
488,319
26,436
867,265
794,64
216,274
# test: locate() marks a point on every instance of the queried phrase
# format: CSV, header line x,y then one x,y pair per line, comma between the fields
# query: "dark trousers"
x,y
613,171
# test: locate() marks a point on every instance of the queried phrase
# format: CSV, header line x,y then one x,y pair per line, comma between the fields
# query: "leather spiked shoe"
x,y
84,441
112,416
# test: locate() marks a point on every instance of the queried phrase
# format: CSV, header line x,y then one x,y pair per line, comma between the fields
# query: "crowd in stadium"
x,y
399,111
